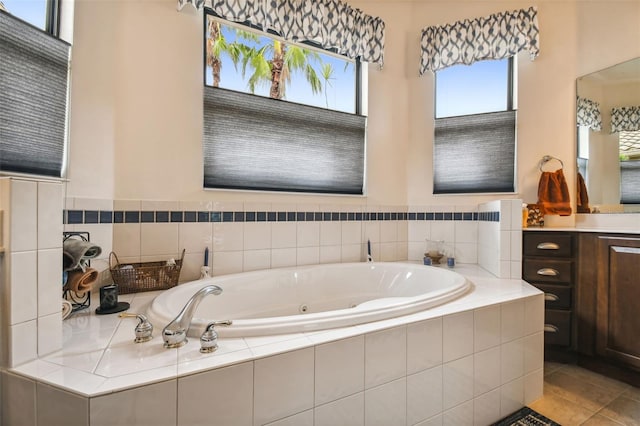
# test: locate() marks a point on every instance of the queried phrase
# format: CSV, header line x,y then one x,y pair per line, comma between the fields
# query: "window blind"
x,y
257,143
630,182
33,98
474,153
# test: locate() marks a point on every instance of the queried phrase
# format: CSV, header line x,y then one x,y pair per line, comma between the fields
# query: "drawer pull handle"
x,y
550,297
548,246
549,328
548,272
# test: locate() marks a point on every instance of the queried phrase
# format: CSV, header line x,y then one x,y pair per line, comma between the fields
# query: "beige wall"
x,y
136,117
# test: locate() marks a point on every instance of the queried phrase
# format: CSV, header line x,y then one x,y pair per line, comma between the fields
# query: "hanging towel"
x,y
582,200
80,282
553,194
75,251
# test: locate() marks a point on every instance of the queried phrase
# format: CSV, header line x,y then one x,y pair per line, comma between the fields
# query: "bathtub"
x,y
308,298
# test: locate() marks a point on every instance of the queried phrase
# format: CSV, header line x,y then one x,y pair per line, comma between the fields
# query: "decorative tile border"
x,y
80,217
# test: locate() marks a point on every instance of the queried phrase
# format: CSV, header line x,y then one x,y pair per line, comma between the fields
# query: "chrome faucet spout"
x,y
175,333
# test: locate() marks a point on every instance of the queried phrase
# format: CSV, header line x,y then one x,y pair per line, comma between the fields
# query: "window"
x,y
474,141
279,116
33,89
629,167
42,14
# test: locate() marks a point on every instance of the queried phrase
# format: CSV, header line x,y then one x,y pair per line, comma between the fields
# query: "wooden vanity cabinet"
x,y
618,300
548,263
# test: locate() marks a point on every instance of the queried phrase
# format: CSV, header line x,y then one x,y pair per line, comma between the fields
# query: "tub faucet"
x,y
175,333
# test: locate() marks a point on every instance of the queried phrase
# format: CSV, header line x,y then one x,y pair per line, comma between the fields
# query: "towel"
x,y
582,200
553,194
67,308
82,281
74,252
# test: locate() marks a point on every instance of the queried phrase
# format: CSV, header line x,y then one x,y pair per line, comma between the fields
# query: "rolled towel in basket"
x,y
66,308
81,282
74,251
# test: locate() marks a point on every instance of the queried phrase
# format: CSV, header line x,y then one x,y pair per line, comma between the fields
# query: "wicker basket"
x,y
144,276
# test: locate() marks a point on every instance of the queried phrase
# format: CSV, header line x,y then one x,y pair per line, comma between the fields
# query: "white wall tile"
x,y
347,411
512,319
388,231
512,360
351,232
533,386
415,250
466,231
418,231
457,382
505,214
308,234
511,397
353,252
385,405
49,334
275,398
533,352
516,270
487,327
339,369
152,404
49,215
486,408
460,415
381,364
403,231
23,283
457,336
254,260
505,245
283,235
159,239
231,399
23,340
486,370
533,314
24,215
308,255
516,245
330,254
49,281
195,237
126,240
17,407
227,262
443,230
301,419
388,252
331,233
466,253
257,235
372,231
55,406
228,236
516,214
401,250
282,258
424,395
424,345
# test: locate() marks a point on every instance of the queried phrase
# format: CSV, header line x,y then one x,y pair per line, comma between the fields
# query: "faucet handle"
x,y
143,330
209,339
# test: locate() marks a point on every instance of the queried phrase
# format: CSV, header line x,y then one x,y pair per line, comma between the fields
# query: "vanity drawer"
x,y
557,327
548,244
556,296
548,271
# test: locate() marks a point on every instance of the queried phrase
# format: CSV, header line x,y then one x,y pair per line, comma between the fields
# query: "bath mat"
x,y
526,417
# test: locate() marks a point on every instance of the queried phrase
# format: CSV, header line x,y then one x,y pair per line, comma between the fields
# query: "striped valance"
x,y
496,36
331,24
626,119
588,114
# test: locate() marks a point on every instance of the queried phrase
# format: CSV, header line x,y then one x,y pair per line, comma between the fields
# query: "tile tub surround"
x,y
249,236
474,359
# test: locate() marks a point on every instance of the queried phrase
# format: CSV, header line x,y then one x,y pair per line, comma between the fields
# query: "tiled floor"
x,y
575,396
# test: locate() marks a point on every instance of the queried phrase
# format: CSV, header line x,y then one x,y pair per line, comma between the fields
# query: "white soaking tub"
x,y
308,298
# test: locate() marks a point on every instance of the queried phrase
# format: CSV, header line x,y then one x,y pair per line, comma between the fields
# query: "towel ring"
x,y
548,158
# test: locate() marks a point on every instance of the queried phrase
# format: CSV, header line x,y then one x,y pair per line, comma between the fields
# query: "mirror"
x,y
608,119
